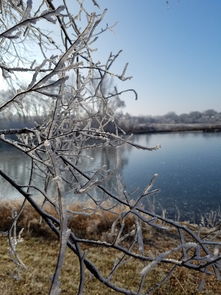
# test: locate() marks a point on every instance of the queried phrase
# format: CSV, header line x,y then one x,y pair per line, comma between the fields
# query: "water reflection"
x,y
187,164
16,165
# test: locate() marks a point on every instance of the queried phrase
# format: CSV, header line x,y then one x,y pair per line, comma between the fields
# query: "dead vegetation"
x,y
95,223
38,250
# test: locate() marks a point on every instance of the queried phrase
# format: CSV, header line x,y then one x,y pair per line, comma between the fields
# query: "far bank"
x,y
173,127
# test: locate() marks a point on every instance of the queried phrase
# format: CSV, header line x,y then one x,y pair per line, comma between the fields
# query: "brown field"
x,y
39,247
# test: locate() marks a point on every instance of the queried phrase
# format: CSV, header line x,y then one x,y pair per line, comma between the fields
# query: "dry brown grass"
x,y
39,256
95,224
40,247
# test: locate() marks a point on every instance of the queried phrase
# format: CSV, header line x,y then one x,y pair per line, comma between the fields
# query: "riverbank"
x,y
94,224
161,128
38,249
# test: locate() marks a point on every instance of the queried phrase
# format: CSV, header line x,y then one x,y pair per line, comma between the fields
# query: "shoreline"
x,y
169,128
97,224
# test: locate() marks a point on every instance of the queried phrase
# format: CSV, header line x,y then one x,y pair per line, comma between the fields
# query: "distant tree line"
x,y
33,114
208,116
24,114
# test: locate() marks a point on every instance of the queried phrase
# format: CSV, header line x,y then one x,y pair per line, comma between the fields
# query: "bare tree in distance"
x,y
58,145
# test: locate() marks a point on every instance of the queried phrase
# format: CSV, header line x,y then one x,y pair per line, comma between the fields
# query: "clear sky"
x,y
173,49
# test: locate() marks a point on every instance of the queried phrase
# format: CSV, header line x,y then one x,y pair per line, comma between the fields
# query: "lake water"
x,y
188,165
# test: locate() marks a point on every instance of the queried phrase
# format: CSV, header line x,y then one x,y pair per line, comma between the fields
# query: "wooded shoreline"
x,y
174,127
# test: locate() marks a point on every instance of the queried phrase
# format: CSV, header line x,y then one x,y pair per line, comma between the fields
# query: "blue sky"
x,y
173,50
